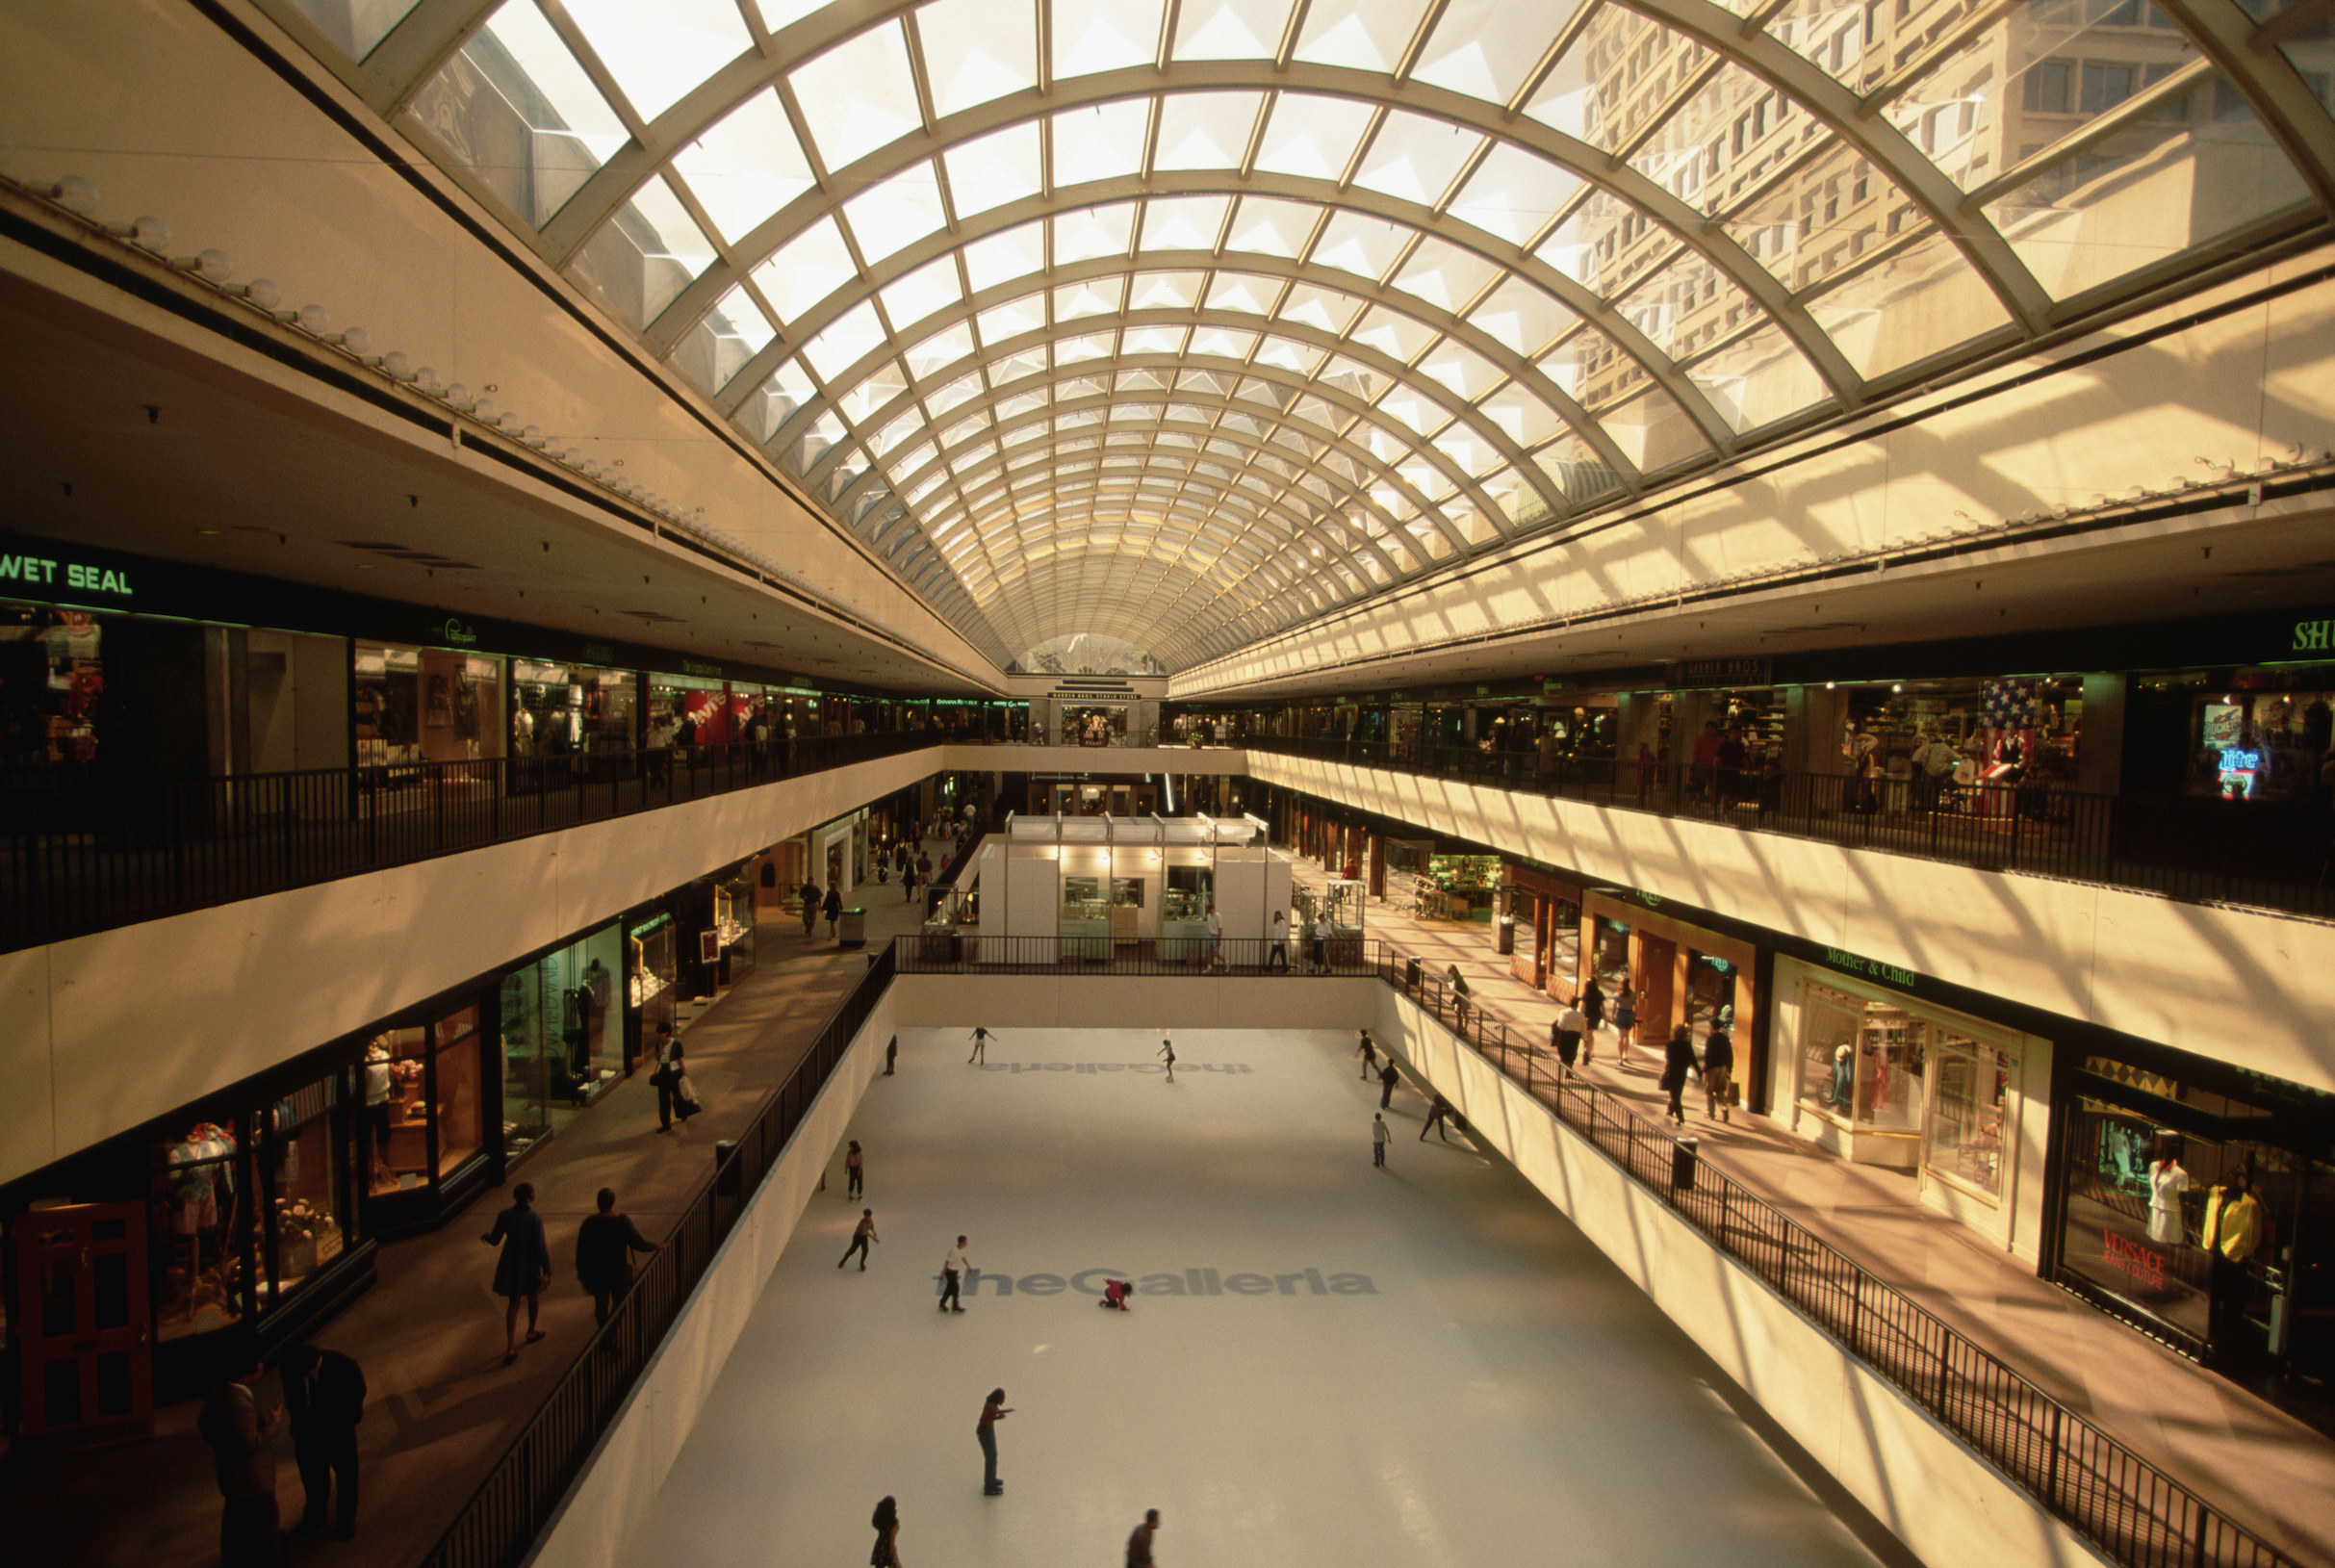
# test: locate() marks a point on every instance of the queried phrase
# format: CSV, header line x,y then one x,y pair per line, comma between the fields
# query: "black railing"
x,y
2277,855
87,849
501,1519
967,953
2119,1502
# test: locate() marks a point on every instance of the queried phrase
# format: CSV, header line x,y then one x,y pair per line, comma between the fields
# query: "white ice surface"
x,y
1500,1395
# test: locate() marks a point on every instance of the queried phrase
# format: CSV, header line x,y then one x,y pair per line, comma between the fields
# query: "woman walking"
x,y
832,909
524,1264
1624,1021
854,1165
887,1535
1678,1060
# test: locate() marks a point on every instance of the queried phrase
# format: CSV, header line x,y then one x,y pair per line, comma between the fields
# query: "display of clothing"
x,y
1844,1077
2167,1182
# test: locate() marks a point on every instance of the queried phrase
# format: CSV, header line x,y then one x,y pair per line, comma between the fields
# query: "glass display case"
x,y
650,969
423,1085
306,1209
1184,907
198,1186
1342,901
734,926
1085,924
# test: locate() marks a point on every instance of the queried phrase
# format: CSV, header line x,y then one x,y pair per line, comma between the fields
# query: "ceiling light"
x,y
261,292
314,320
74,194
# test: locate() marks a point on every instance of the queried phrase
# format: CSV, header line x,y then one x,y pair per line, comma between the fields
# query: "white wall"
x,y
100,1033
1947,1504
2128,960
597,1521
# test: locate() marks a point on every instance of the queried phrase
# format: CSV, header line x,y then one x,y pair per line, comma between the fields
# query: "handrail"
x,y
2117,1501
85,849
2122,1504
509,1508
2198,849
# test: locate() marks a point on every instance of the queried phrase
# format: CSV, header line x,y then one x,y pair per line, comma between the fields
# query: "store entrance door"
x,y
83,1319
1655,963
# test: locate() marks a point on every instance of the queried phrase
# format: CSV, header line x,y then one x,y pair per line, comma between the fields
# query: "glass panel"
x,y
808,268
973,55
1205,130
1104,35
1312,137
2201,168
1969,1102
1653,432
1826,33
1831,211
1441,273
1365,247
642,260
1514,193
1184,223
859,95
1684,305
1687,155
1104,143
197,1190
846,340
1099,231
1270,226
1004,257
1415,158
516,108
1230,29
354,26
1758,379
931,288
1485,48
300,1153
657,53
1918,302
1367,34
746,168
992,170
1459,368
896,213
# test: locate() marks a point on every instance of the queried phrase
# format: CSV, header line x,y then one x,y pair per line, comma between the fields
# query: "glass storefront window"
x,y
51,679
461,707
560,709
1963,1138
2265,735
306,1198
650,970
688,711
385,694
1711,992
733,923
558,1054
415,1077
194,1227
1861,1061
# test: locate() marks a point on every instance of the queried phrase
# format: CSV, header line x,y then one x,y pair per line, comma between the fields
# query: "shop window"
x,y
196,1227
1861,1061
733,923
302,1157
420,1080
385,695
461,708
650,967
51,679
1963,1138
558,1051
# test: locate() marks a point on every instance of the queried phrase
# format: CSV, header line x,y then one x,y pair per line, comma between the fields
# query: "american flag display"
x,y
2009,706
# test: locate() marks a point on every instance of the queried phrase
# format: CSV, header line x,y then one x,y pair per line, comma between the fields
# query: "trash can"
x,y
726,1173
1410,973
852,930
1682,1162
1506,932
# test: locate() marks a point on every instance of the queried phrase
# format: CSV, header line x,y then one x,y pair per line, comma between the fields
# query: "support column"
x,y
2099,747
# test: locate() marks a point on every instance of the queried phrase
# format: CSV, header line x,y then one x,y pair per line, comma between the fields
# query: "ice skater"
x,y
952,1269
1369,1053
1167,1050
993,1411
1438,1109
861,1234
887,1521
854,1167
1139,1544
1378,1137
1388,1078
981,1046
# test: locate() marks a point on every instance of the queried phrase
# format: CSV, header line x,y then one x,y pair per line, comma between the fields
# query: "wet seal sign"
x,y
1181,1282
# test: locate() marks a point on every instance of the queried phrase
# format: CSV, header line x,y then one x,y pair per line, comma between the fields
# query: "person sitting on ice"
x,y
1115,1293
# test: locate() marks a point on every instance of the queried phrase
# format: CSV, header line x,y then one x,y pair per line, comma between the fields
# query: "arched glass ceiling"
x,y
1179,320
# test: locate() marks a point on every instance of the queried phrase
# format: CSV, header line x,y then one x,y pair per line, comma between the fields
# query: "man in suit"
x,y
242,1436
324,1396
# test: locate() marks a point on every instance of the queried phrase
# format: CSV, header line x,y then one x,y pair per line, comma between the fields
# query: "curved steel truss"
x,y
1180,320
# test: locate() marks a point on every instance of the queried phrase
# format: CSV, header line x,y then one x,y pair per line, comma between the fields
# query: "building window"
x,y
2045,88
2105,86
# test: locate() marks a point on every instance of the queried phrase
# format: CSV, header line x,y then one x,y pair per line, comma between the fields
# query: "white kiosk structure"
x,y
1086,888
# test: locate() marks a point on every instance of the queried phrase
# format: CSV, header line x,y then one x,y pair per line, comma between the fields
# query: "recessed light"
x,y
206,530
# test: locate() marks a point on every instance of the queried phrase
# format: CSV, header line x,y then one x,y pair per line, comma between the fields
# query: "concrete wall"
x,y
100,1033
2134,961
1947,1504
597,1522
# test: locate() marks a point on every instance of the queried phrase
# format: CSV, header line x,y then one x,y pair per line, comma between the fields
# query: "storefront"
x,y
433,1111
2150,1153
1548,914
1875,1074
651,974
410,705
562,1047
2261,733
1681,974
563,710
51,673
203,1240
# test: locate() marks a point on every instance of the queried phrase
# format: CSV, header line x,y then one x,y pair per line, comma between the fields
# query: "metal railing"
x,y
87,849
964,953
499,1522
2114,1499
2276,855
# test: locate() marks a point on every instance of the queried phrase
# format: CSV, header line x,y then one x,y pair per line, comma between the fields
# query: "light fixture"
x,y
314,319
74,194
146,233
261,292
483,410
397,366
211,266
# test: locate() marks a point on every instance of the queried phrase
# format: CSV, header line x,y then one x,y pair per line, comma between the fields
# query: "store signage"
x,y
2129,1257
699,666
75,577
458,635
598,652
1688,674
1870,968
2312,637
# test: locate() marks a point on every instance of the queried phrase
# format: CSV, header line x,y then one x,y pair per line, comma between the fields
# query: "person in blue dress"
x,y
524,1264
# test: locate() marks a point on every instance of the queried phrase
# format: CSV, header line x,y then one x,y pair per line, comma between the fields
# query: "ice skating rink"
x,y
1367,1369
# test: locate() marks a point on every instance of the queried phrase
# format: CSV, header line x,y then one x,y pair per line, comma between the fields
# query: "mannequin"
x,y
376,1097
2167,1182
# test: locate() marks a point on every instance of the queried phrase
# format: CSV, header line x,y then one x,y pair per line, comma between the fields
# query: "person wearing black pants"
x,y
952,1269
1388,1078
860,1236
1679,1059
1437,1109
854,1167
324,1396
663,1076
1369,1053
993,1411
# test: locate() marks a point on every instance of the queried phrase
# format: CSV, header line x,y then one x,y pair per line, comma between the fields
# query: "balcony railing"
x,y
2134,1513
2274,855
87,849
